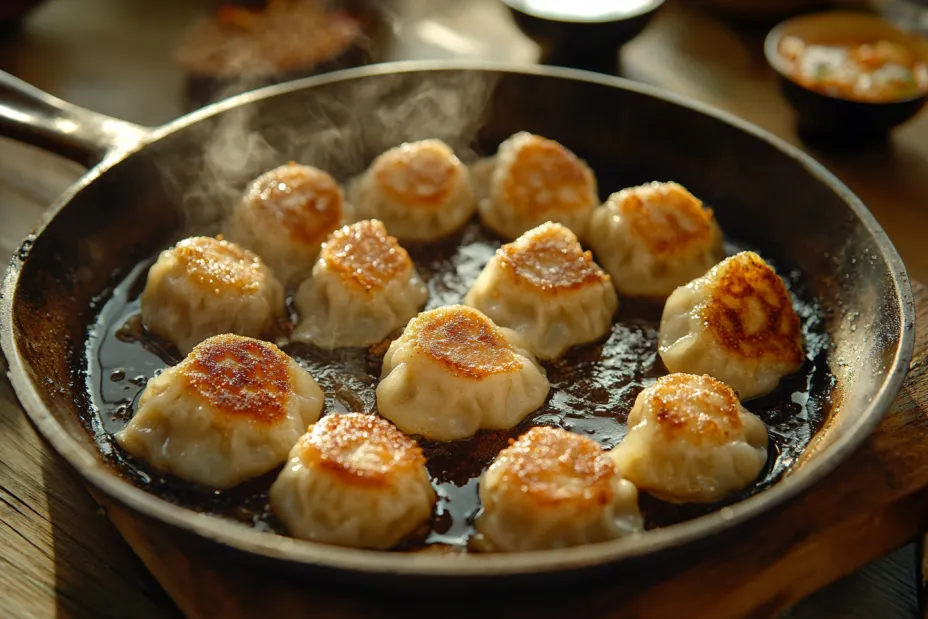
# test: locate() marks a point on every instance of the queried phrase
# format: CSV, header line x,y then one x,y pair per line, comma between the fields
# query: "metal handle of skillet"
x,y
30,115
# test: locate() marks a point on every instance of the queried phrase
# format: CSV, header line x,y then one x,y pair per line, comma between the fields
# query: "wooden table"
x,y
61,556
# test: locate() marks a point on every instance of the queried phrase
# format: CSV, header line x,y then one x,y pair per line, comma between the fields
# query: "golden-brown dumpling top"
x,y
203,287
736,323
464,342
549,260
239,377
419,174
551,489
354,480
361,449
364,256
364,287
453,371
231,410
654,238
420,190
534,180
547,288
217,266
285,215
690,440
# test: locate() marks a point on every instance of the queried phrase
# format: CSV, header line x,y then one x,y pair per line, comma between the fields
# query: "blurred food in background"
x,y
283,35
877,71
240,47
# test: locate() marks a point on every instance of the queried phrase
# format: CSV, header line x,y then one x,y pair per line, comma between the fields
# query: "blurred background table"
x,y
115,57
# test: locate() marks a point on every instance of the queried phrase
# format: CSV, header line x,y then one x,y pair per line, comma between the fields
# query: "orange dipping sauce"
x,y
873,72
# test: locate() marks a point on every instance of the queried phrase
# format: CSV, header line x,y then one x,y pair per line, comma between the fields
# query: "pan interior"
x,y
592,391
185,181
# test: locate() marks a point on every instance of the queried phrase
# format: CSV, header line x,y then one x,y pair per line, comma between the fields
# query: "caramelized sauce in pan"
x,y
592,390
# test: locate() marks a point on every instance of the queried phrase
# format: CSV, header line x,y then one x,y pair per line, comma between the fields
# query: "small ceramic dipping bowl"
x,y
584,34
839,112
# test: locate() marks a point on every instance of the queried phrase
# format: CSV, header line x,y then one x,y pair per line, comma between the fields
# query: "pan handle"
x,y
30,115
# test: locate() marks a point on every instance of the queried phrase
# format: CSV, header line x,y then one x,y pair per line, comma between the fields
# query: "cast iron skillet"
x,y
765,193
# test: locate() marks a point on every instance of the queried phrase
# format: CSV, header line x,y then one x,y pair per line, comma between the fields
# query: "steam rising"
x,y
338,127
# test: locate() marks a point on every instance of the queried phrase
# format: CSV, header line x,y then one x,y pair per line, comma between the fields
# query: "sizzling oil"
x,y
593,388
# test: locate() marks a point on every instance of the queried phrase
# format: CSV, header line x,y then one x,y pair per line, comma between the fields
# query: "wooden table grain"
x,y
61,556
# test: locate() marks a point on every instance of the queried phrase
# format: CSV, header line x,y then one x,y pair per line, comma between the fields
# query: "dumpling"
x,y
690,441
284,216
534,180
420,190
228,412
453,372
548,289
654,238
552,489
364,286
353,480
736,323
203,287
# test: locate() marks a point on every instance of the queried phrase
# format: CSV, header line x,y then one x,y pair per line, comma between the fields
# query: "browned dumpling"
x,y
545,287
364,287
690,440
453,372
285,215
736,323
552,489
230,411
203,287
532,180
654,238
420,190
353,480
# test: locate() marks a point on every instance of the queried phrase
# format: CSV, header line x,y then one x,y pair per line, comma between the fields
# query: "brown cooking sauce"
x,y
592,390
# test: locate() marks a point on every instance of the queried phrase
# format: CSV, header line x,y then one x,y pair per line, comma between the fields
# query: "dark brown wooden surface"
x,y
61,557
59,554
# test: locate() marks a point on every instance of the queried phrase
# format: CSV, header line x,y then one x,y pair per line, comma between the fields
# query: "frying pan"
x,y
153,185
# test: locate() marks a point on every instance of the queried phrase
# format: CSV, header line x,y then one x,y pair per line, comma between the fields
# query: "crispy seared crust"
x,y
306,201
667,218
699,409
551,466
751,313
364,255
464,341
549,259
240,377
418,174
545,176
360,449
219,266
